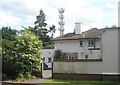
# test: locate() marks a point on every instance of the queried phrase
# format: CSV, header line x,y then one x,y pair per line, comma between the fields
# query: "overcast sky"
x,y
100,13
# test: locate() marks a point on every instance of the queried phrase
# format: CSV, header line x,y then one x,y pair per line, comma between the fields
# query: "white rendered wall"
x,y
67,45
48,53
74,46
119,36
95,53
119,50
110,51
78,67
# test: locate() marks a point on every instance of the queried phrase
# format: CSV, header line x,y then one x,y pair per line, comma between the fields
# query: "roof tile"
x,y
92,33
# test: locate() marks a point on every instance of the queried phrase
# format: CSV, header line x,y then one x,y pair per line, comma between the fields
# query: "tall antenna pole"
x,y
61,22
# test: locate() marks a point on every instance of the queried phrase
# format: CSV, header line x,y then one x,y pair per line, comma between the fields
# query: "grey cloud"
x,y
17,7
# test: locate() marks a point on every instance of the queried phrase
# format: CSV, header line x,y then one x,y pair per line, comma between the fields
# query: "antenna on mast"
x,y
61,22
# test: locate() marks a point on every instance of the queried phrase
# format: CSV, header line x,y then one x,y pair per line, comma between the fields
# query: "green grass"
x,y
75,82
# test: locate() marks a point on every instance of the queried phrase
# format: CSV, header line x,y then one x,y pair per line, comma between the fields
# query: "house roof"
x,y
92,33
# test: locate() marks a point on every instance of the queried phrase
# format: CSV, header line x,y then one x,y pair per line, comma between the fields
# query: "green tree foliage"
x,y
21,56
45,34
52,30
40,20
8,33
28,49
113,26
7,50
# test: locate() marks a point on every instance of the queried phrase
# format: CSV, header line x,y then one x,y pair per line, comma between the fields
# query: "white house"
x,y
106,67
76,45
93,54
79,45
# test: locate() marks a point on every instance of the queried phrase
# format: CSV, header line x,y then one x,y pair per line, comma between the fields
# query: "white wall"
x,y
119,51
48,53
119,36
67,45
95,53
110,50
78,67
74,46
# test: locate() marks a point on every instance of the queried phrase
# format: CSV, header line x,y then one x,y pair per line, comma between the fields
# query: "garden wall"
x,y
90,69
83,69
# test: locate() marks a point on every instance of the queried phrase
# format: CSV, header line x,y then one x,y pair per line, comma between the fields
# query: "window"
x,y
70,56
49,60
81,43
91,43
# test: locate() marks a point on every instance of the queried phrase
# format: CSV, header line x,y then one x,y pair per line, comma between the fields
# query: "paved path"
x,y
47,73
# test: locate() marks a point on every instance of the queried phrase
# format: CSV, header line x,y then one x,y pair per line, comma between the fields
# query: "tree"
x,y
113,26
52,30
7,51
28,48
8,33
40,20
21,57
42,32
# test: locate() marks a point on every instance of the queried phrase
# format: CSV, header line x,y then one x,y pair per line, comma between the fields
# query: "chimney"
x,y
78,28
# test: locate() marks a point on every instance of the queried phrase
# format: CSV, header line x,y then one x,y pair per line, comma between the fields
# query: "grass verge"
x,y
80,82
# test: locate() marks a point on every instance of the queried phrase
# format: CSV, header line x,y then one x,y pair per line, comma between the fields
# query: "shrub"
x,y
57,55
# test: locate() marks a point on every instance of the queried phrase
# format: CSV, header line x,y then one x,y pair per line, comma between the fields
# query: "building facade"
x,y
91,55
105,68
86,45
110,51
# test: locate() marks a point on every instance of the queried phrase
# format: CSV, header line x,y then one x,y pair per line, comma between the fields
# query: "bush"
x,y
57,54
21,56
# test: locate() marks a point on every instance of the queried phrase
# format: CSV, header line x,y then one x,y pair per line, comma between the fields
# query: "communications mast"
x,y
61,22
